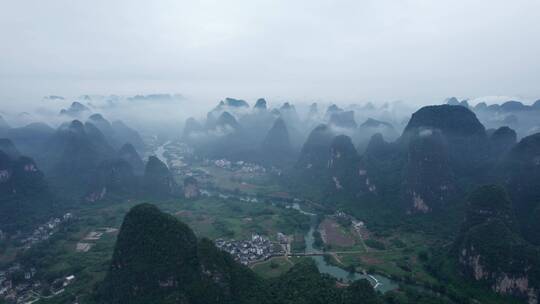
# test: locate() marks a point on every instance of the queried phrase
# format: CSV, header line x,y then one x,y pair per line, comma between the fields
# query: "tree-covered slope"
x,y
490,250
154,260
158,180
276,147
519,171
25,198
428,179
157,259
468,146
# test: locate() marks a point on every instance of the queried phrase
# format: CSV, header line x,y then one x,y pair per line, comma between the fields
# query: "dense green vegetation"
x,y
153,249
519,171
157,180
411,195
487,250
179,269
25,198
375,244
158,259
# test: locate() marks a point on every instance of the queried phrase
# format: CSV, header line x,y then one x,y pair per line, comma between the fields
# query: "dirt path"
x,y
361,239
251,266
286,248
344,252
257,263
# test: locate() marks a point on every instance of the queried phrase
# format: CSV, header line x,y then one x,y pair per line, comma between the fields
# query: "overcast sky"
x,y
379,50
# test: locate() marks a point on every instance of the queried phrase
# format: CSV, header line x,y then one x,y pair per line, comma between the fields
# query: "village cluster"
x,y
358,225
178,154
45,231
237,166
259,248
18,285
243,167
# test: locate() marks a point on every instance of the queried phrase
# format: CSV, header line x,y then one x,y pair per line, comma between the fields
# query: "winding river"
x,y
380,283
160,152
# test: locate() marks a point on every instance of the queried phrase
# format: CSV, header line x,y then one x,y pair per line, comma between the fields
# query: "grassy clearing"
x,y
220,218
399,258
249,183
209,217
275,266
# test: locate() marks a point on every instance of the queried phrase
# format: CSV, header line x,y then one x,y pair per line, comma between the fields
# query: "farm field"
x,y
274,267
245,182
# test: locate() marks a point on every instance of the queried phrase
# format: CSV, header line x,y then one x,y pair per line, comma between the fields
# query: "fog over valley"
x,y
270,152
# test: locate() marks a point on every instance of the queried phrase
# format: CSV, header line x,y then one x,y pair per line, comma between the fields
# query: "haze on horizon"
x,y
342,51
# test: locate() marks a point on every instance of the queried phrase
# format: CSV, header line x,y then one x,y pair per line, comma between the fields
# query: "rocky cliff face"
x,y
330,164
343,164
441,146
468,147
428,178
112,177
314,153
19,175
489,248
24,194
520,172
377,150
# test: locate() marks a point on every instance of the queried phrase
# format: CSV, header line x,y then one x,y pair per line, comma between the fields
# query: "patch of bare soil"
x,y
333,234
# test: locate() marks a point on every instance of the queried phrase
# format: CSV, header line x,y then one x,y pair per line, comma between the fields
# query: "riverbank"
x,y
379,282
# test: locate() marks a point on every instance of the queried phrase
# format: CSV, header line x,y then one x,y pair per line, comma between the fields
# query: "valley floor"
x,y
239,201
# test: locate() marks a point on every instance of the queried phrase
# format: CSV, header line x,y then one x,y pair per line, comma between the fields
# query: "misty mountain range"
x,y
433,169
